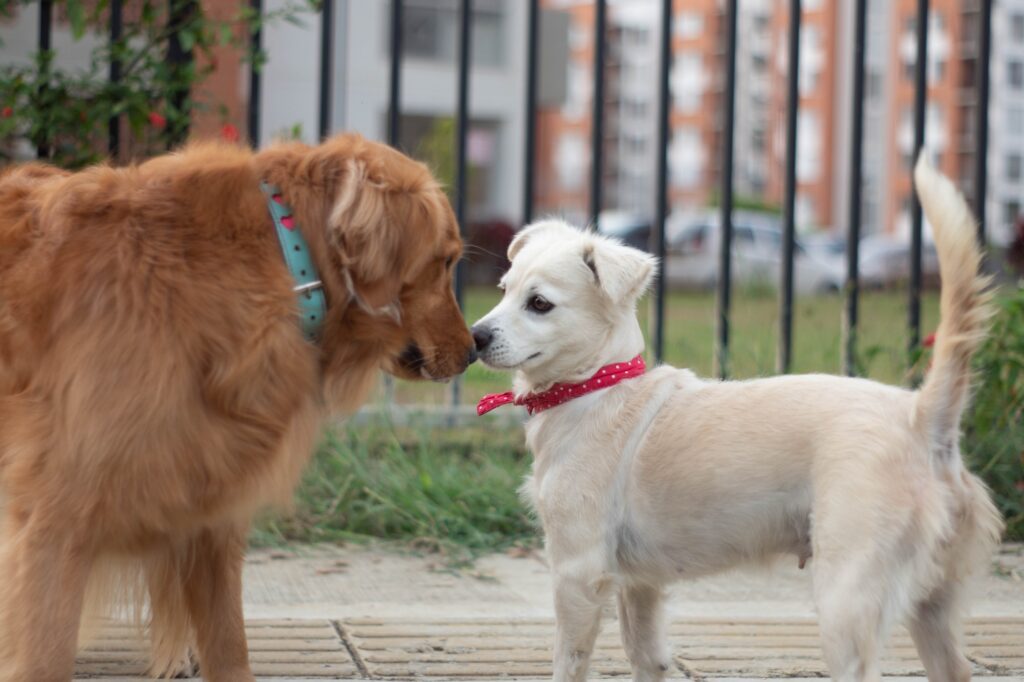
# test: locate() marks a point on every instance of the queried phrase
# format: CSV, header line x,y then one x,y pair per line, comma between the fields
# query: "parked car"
x,y
630,228
885,261
693,248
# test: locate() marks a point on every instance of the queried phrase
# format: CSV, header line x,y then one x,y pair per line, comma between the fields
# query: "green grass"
x,y
690,334
455,490
450,490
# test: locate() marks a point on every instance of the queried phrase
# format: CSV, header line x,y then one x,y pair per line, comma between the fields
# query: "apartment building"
x,y
1006,120
818,80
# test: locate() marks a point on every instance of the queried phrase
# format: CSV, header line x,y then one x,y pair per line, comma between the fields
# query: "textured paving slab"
x,y
484,649
277,649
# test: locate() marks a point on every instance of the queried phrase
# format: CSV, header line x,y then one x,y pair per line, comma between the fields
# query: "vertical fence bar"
x,y
783,359
395,84
255,74
981,122
920,108
45,25
461,133
462,129
181,13
725,241
114,124
44,44
661,175
530,117
326,65
597,120
853,217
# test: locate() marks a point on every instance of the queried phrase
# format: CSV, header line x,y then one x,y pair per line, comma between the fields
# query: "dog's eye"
x,y
539,304
448,262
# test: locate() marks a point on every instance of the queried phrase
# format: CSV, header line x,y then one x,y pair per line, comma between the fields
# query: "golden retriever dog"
x,y
641,479
156,388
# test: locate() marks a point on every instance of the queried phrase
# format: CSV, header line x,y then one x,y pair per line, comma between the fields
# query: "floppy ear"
x,y
365,227
531,231
622,272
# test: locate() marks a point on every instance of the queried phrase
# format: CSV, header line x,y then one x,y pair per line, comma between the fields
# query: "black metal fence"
x,y
785,336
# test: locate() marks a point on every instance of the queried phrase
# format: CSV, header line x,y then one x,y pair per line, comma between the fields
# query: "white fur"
x,y
668,476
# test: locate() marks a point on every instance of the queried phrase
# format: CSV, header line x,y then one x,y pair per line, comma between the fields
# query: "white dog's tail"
x,y
963,307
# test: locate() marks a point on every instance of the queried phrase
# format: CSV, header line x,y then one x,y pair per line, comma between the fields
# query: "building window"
x,y
687,82
1015,71
430,31
686,157
1014,167
571,158
1011,211
689,25
1017,27
1015,121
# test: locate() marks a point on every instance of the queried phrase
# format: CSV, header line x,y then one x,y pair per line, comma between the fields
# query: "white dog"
x,y
641,479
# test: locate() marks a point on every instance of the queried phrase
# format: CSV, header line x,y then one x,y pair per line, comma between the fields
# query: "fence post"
x,y
661,176
326,65
530,120
725,228
597,118
981,123
785,351
920,110
461,132
44,45
853,218
395,83
180,12
114,124
255,74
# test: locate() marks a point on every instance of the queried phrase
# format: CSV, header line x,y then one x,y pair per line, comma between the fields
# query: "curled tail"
x,y
963,308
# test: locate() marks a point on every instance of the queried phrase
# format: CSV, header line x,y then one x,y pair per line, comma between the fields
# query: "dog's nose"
x,y
471,356
482,337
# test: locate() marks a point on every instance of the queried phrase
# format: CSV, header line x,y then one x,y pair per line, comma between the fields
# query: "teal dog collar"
x,y
312,303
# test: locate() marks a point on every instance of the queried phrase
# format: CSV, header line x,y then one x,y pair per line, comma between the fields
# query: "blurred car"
x,y
884,261
630,228
693,248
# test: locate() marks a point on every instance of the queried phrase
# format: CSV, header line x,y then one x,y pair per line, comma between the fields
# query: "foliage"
x,y
445,489
65,113
994,426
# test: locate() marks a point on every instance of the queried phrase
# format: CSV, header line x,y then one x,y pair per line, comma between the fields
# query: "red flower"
x,y
7,112
157,120
929,340
229,132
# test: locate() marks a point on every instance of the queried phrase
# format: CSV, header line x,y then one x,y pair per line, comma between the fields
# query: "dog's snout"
x,y
471,356
482,337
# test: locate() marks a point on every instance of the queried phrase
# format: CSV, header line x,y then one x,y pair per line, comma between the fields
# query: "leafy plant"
x,y
994,426
65,113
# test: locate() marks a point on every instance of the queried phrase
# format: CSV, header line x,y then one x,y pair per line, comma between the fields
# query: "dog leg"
x,y
45,570
578,604
642,621
213,594
936,628
852,619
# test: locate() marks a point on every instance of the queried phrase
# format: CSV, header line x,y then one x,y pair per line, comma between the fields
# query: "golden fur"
x,y
155,386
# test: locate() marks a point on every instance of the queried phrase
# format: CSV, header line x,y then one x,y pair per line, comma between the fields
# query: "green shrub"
x,y
994,426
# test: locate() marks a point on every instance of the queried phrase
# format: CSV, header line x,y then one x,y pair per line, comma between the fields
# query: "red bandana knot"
x,y
607,376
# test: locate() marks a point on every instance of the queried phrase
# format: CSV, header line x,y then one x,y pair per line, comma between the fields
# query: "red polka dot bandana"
x,y
607,376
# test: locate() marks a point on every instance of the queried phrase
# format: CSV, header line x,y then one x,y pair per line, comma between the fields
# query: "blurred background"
x,y
82,81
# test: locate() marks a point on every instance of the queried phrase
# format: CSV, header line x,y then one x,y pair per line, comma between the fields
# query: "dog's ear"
x,y
365,227
531,231
623,273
